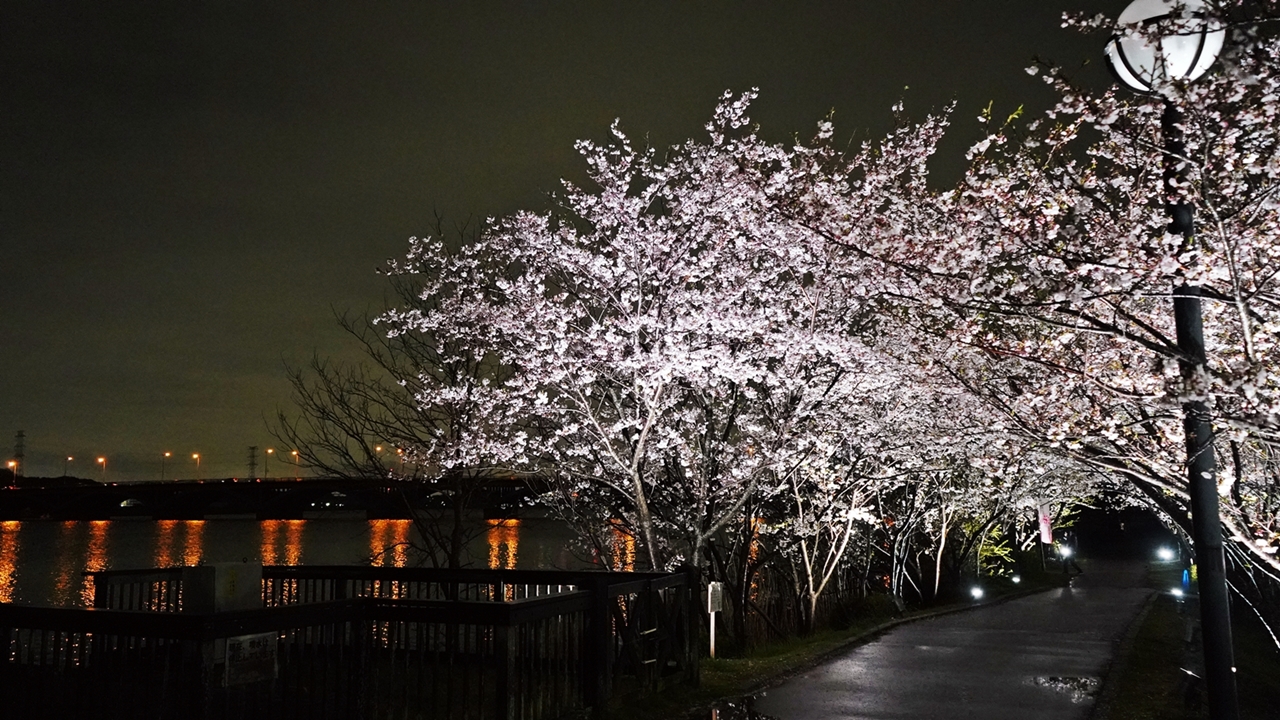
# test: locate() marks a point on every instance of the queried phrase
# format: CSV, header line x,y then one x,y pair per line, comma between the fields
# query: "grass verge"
x,y
1150,684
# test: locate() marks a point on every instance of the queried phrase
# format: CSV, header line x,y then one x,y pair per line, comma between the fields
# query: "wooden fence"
x,y
356,642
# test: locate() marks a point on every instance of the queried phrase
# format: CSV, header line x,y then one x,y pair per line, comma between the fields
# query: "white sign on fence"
x,y
251,658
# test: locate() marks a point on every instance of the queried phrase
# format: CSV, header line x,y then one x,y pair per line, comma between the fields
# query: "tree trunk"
x,y
646,520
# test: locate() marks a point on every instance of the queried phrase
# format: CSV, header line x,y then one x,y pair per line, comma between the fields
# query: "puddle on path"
x,y
737,710
1079,689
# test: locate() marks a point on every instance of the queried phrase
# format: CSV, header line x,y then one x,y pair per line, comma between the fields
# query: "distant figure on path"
x,y
1067,551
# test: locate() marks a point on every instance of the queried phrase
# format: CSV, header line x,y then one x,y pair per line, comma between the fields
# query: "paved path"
x,y
1041,656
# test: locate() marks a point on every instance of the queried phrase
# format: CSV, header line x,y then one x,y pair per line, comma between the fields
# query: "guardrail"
x,y
356,642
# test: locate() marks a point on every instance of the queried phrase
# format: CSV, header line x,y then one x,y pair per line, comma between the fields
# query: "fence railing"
x,y
356,642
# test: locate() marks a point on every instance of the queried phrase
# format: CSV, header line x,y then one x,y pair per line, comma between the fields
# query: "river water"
x,y
42,562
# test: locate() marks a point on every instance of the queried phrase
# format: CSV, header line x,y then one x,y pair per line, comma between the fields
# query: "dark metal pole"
x,y
1206,528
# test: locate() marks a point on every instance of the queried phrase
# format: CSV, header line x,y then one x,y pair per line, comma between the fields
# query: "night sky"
x,y
189,189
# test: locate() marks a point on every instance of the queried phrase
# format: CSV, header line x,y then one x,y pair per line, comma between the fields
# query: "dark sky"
x,y
188,188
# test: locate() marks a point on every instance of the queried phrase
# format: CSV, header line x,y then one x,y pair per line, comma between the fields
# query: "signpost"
x,y
715,603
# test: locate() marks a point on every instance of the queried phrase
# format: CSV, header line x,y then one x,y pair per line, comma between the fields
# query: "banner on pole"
x,y
1046,524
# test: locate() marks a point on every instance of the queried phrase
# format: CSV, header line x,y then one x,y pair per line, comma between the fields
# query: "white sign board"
x,y
251,658
715,597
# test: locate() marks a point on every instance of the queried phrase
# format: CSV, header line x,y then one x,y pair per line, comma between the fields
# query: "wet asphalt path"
x,y
1041,656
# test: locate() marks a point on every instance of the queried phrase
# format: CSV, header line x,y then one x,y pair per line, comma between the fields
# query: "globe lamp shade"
x,y
1159,42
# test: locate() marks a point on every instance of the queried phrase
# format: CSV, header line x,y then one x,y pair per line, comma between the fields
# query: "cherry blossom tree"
x,y
667,338
1047,274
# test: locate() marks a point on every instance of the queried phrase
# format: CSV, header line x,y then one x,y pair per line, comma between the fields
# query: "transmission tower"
x,y
253,461
18,457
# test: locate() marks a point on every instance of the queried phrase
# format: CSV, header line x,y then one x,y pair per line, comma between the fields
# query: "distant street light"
x,y
64,465
164,457
196,457
297,465
266,463
103,462
1158,46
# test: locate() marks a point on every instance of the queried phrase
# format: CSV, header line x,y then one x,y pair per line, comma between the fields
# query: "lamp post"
x,y
196,457
164,457
297,466
103,462
266,464
64,465
1159,44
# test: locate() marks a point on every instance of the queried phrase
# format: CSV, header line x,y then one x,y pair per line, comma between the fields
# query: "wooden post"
x,y
100,586
504,650
599,648
693,605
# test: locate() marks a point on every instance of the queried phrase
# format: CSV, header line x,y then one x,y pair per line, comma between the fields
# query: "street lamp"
x,y
1158,45
164,457
64,465
103,462
297,467
1186,43
196,457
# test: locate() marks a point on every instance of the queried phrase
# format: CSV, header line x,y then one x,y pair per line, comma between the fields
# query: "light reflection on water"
x,y
293,541
42,562
270,538
165,530
96,557
389,542
193,542
8,558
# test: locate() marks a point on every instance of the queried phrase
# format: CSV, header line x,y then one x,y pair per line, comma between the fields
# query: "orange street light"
x,y
297,464
64,465
196,457
266,463
164,457
103,462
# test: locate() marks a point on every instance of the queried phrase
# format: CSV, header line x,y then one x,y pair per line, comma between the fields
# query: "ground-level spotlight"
x,y
1017,579
1165,554
976,592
